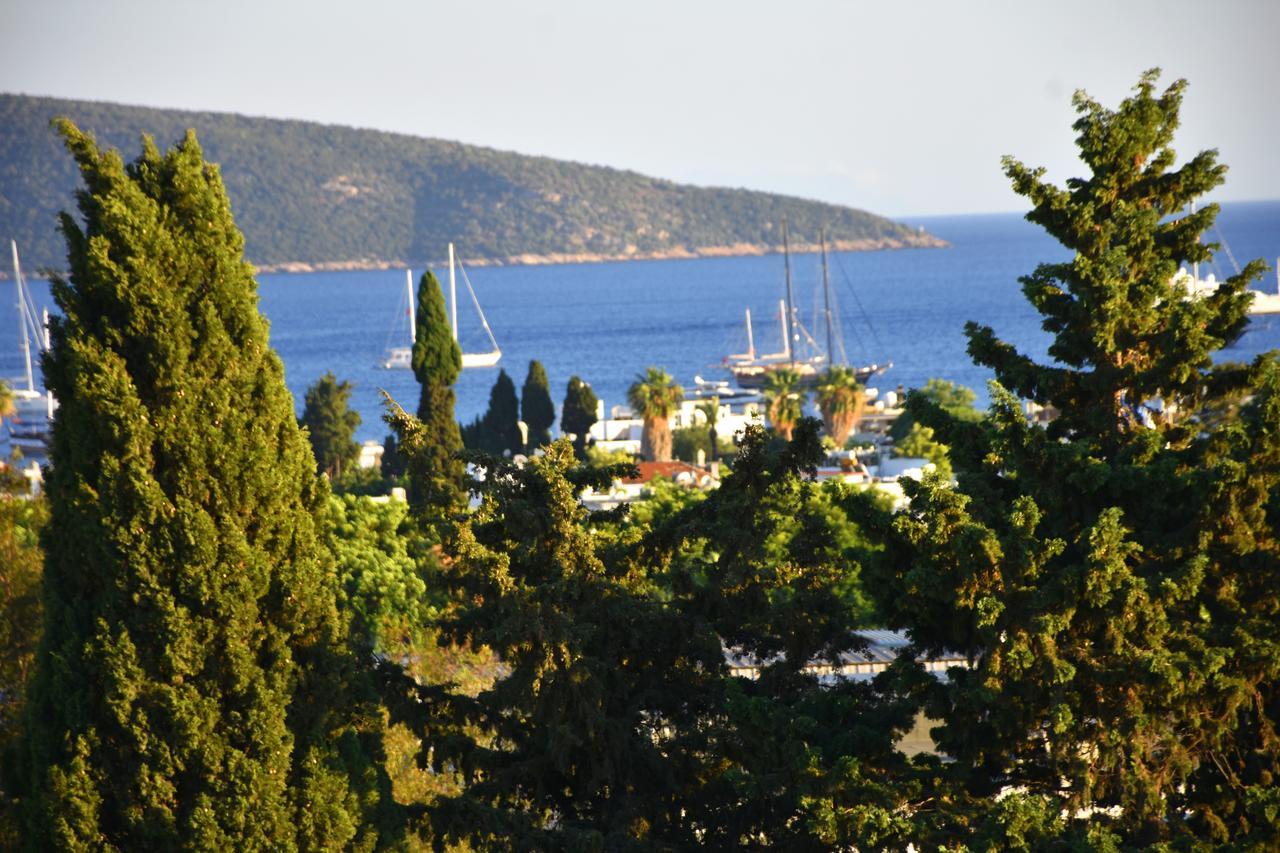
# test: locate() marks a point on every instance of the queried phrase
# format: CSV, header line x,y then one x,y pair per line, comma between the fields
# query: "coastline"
x,y
915,241
921,241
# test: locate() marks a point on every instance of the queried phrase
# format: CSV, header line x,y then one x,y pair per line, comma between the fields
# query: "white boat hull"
x,y
481,359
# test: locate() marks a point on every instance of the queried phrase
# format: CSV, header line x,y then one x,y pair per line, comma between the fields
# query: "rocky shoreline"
x,y
916,241
921,241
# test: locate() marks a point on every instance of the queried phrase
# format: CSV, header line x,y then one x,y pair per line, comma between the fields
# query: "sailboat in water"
x,y
402,357
28,427
800,351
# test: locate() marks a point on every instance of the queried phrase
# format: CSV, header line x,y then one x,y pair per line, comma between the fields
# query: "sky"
x,y
903,109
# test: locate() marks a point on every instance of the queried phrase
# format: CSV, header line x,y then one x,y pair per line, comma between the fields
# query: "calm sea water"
x,y
608,322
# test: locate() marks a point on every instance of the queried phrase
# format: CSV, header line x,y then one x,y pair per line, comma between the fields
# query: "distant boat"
x,y
402,357
28,426
800,353
1197,287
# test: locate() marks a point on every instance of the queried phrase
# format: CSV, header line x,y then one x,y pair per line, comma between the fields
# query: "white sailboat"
x,y
470,359
28,427
402,357
800,352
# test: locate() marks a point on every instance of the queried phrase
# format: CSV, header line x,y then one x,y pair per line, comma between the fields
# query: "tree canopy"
x,y
1116,575
655,396
330,425
192,688
498,430
435,473
536,408
578,414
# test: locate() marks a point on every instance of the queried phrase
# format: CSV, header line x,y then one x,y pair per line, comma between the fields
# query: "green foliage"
x,y
784,399
956,400
435,471
598,669
710,411
795,764
536,408
1116,575
191,688
394,465
920,444
615,723
381,586
687,441
841,400
498,431
655,396
21,566
6,401
330,425
578,413
436,357
326,194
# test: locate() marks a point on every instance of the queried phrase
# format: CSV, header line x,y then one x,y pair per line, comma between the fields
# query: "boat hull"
x,y
481,359
757,375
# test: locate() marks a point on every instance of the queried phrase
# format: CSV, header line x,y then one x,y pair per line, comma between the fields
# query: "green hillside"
x,y
329,196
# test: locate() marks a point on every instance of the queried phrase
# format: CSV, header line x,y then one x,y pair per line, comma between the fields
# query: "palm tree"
x,y
711,411
785,399
841,400
654,396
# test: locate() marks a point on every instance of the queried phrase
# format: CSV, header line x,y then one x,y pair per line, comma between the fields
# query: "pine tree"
x,y
330,425
436,474
578,414
191,689
536,408
1116,576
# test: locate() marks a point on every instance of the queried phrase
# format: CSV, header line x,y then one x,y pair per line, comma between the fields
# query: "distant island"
x,y
313,196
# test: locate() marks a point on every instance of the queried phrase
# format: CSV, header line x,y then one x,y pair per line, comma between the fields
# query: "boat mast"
x,y
790,322
453,297
23,320
751,341
413,314
826,299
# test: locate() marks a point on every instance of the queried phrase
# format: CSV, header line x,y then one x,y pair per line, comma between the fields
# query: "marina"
x,y
607,322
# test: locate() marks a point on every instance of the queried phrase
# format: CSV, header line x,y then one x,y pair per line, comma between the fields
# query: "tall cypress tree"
x,y
578,413
536,408
1116,576
436,473
189,688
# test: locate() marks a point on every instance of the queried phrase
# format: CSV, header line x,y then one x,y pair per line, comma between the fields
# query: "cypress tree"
x,y
578,414
190,685
1116,575
536,408
497,432
436,473
501,420
331,425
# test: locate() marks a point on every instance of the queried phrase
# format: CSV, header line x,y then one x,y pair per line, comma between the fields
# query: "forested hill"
x,y
310,195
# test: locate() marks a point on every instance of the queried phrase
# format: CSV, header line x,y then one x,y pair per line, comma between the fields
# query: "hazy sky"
x,y
900,108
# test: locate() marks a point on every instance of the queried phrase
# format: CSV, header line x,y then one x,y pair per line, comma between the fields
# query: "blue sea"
x,y
608,322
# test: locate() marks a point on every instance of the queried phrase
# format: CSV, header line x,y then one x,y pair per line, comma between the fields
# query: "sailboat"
x,y
402,357
28,427
800,353
1198,288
